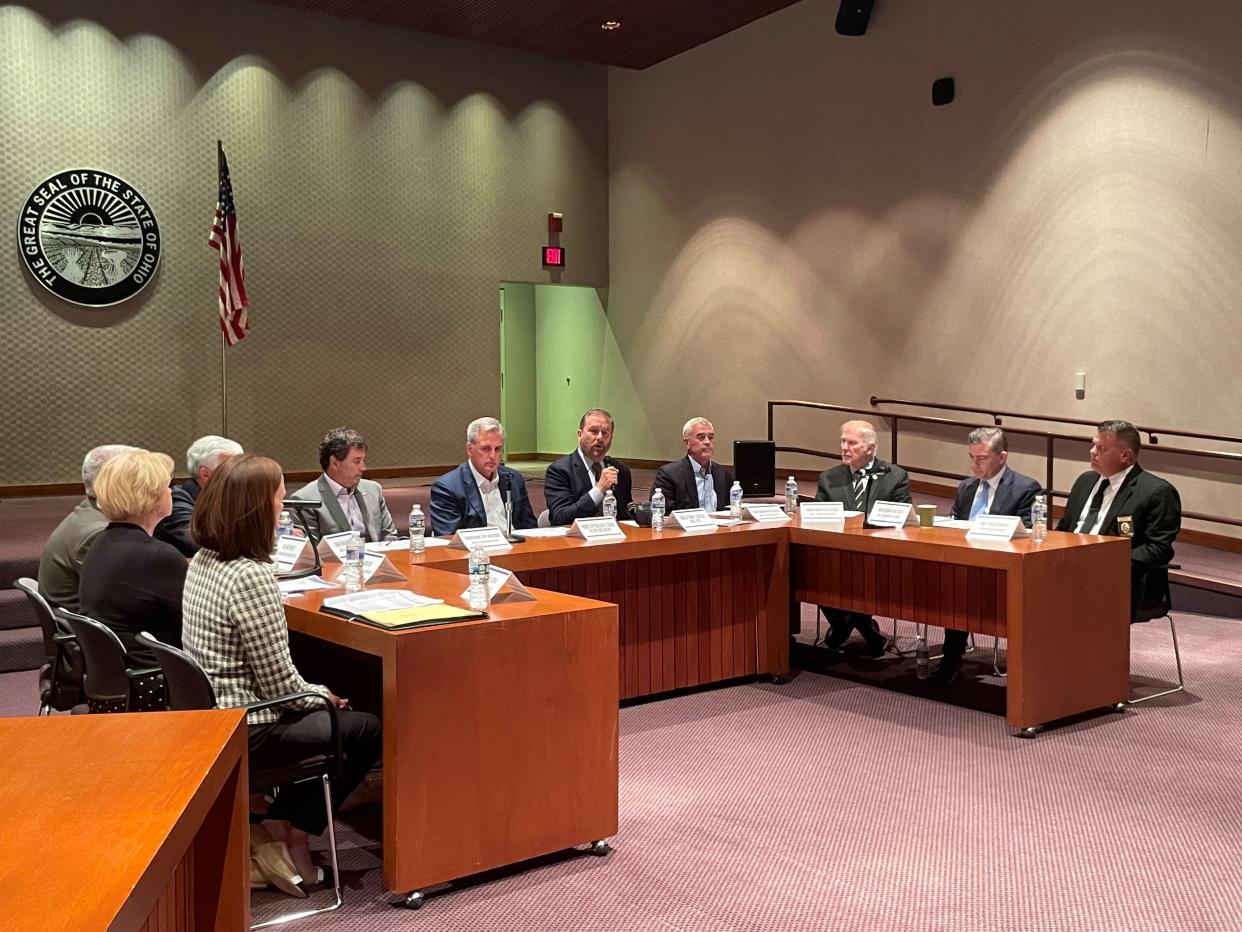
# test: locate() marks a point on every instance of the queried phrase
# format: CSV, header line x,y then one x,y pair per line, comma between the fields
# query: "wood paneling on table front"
x,y
132,821
500,736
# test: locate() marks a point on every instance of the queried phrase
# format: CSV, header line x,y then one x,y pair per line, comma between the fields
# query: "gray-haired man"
x,y
61,563
202,459
476,493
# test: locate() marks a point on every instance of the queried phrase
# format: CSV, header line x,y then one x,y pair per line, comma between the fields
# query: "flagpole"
x,y
224,386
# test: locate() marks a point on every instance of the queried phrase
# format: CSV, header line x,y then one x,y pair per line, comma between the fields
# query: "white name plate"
x,y
490,539
821,511
503,585
889,514
593,529
693,519
336,544
997,527
767,512
288,550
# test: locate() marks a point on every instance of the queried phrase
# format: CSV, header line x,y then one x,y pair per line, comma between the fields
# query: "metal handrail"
x,y
1050,439
1153,433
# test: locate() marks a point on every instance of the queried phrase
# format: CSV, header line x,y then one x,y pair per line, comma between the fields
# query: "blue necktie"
x,y
981,502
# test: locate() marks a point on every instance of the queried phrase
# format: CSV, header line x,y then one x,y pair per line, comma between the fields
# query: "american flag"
x,y
234,321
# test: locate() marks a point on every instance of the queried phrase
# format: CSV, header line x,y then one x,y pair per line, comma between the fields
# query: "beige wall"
x,y
791,218
386,182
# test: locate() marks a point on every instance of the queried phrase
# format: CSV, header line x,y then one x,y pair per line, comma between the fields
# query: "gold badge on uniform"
x,y
1125,525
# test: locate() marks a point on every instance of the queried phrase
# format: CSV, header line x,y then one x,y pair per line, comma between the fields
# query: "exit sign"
x,y
553,257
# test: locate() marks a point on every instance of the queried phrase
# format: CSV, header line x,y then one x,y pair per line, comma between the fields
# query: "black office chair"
x,y
111,681
189,689
60,677
1152,599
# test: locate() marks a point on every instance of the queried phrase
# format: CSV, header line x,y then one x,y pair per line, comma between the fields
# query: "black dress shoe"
x,y
835,638
948,673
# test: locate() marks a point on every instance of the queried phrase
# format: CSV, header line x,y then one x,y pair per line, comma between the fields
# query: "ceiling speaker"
x,y
853,16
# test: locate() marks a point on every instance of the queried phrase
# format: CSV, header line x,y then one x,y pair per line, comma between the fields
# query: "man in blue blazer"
x,y
575,485
476,493
995,489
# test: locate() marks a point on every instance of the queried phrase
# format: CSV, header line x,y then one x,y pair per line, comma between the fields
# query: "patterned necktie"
x,y
860,485
981,501
1093,512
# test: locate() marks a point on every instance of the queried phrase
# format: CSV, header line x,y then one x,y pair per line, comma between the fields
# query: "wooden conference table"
x,y
500,735
703,607
125,822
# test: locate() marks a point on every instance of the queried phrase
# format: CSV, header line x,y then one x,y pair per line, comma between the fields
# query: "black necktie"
x,y
596,469
1093,512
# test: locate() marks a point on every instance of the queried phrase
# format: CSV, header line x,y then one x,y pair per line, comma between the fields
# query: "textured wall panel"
x,y
386,182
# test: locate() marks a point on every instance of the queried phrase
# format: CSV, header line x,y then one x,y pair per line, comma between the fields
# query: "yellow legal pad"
x,y
412,617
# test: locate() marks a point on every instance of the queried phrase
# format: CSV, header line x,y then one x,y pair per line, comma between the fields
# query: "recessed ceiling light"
x,y
611,25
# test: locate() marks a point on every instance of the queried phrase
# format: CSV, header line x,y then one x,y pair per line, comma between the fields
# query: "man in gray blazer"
x,y
859,482
349,502
995,489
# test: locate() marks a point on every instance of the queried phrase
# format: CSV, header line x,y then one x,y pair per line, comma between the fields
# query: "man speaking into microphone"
x,y
482,490
858,483
575,485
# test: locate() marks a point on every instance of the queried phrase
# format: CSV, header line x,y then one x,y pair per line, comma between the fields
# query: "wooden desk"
x,y
1063,604
133,821
500,736
695,608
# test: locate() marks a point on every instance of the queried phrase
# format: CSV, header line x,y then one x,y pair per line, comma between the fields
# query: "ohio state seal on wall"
x,y
89,237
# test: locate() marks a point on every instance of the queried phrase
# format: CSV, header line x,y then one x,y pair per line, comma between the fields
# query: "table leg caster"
x,y
414,900
1029,732
1120,707
600,849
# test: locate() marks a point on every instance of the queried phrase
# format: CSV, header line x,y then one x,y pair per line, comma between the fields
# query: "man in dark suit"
x,y
1118,498
995,489
694,481
347,501
575,485
482,490
204,455
858,483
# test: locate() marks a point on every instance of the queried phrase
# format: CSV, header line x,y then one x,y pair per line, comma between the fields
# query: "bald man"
x,y
859,482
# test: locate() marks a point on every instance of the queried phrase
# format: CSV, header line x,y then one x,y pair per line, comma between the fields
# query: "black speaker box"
x,y
853,16
754,466
943,91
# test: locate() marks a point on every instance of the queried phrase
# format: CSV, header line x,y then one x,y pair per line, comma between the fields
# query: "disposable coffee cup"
x,y
927,515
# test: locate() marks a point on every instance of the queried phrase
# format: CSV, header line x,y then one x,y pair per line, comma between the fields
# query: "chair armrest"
x,y
137,673
333,723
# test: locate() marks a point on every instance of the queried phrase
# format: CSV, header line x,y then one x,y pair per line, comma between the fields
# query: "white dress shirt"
x,y
993,484
489,491
704,488
596,495
348,501
1114,483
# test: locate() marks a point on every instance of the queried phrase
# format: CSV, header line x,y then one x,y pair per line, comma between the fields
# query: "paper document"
x,y
945,521
533,533
305,584
378,600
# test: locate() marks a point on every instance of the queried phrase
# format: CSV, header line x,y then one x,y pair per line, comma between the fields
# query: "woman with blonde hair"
x,y
132,582
235,628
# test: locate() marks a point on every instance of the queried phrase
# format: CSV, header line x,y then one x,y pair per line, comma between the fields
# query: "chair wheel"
x,y
600,849
415,900
1029,732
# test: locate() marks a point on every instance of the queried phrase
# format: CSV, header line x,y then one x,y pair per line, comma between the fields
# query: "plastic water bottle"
x,y
284,524
610,504
735,503
920,655
791,496
418,530
1039,519
480,592
657,510
354,550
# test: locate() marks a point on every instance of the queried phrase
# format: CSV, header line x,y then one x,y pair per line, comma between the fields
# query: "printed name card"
x,y
336,544
288,550
821,511
503,586
889,514
997,527
597,529
767,512
693,519
490,539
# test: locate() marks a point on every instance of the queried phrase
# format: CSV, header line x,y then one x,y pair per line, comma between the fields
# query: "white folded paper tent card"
x,y
376,567
490,539
692,519
503,586
597,529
